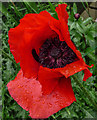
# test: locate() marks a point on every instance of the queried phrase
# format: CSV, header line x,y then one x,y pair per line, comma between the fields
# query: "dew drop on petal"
x,y
50,105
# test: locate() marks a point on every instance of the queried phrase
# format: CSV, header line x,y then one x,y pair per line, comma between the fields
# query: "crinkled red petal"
x,y
87,74
28,35
62,13
63,28
27,93
75,67
63,32
72,68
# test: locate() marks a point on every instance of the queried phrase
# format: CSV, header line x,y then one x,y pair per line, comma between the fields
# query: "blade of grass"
x,y
29,7
67,110
22,9
33,6
51,6
9,57
89,114
85,8
85,92
6,13
16,10
86,3
53,117
3,92
53,9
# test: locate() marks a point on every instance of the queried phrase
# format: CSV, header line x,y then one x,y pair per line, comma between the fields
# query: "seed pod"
x,y
77,16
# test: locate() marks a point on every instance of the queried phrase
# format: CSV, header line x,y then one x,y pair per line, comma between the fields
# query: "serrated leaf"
x,y
80,22
79,28
86,21
69,22
73,25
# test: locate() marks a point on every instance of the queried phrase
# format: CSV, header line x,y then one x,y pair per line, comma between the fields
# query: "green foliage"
x,y
83,34
74,8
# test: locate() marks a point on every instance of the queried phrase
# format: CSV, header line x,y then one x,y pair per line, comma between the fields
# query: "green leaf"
x,y
79,28
90,36
74,8
71,16
86,21
89,53
80,22
73,25
69,21
91,56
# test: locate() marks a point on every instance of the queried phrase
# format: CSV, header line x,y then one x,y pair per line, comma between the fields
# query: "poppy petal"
x,y
75,67
62,13
21,89
62,96
48,79
19,41
28,35
27,93
63,32
87,74
61,26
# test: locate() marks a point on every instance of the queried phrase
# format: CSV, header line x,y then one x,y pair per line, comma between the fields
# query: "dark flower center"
x,y
55,54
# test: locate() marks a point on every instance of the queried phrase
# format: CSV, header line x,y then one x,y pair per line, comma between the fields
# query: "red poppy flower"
x,y
47,58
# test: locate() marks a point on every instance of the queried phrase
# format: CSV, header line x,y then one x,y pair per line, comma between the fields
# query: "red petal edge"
x,y
64,35
87,74
28,35
75,67
27,93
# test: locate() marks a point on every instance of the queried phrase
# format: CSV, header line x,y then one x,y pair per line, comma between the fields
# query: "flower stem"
x,y
85,92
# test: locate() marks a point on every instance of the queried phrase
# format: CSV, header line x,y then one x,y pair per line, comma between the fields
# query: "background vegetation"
x,y
83,33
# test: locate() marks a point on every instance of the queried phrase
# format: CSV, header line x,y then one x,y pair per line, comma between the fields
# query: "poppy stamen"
x,y
55,54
